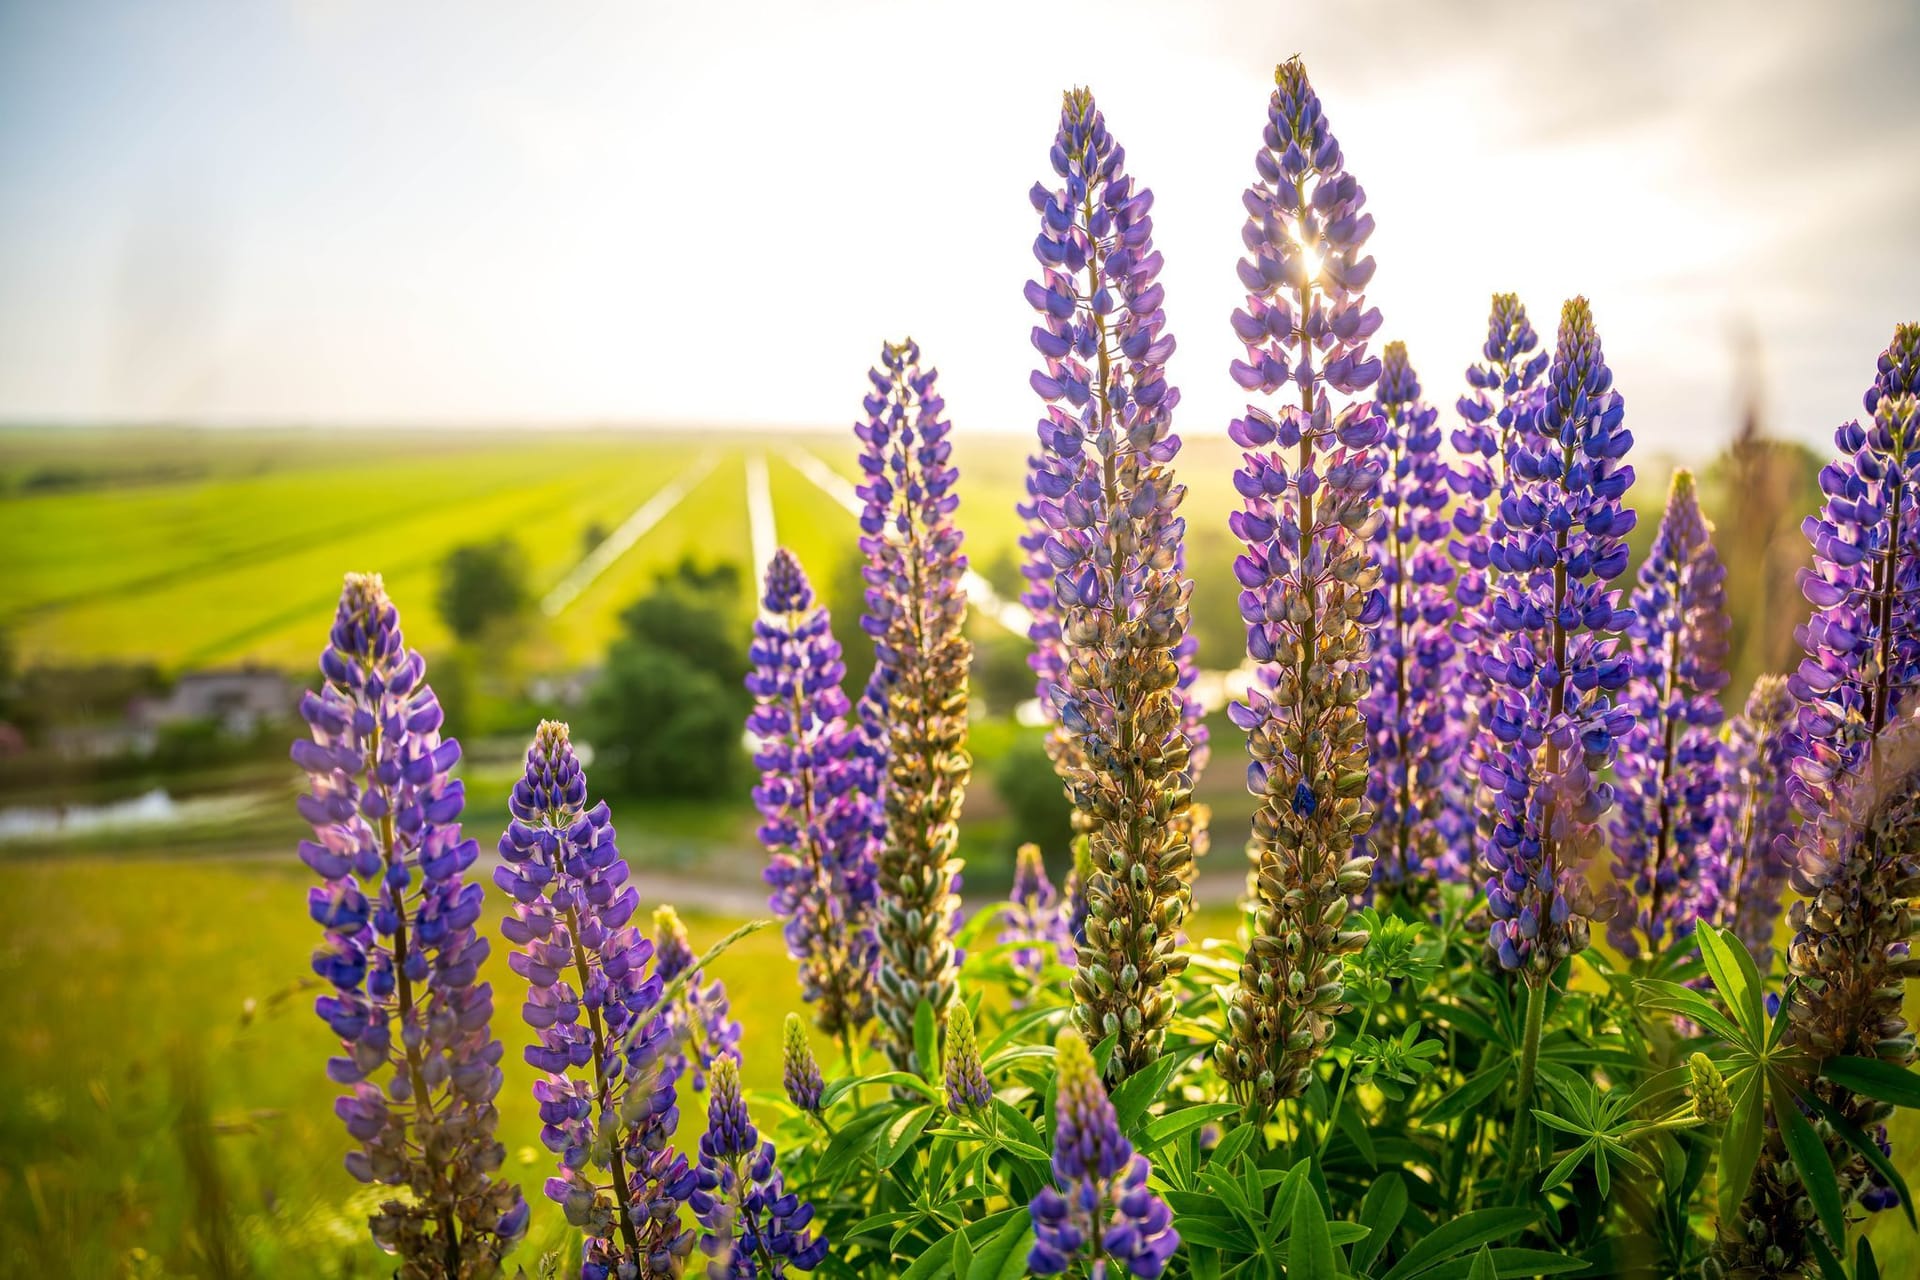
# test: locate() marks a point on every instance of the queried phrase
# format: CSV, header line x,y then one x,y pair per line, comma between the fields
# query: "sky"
x,y
676,213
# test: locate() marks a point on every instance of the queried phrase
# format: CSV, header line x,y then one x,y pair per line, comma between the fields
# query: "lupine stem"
x,y
1520,1148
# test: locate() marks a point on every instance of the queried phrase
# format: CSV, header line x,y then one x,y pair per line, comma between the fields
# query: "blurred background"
x,y
558,317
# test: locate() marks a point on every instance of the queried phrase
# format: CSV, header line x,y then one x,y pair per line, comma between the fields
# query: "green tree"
x,y
482,583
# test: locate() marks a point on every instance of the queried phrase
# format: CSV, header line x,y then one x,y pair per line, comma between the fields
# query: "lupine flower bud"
x,y
699,1019
606,1101
400,950
967,1089
1754,816
819,823
1856,785
1104,489
1413,670
1309,587
1708,1089
1100,1209
755,1228
1037,918
800,1070
1555,665
916,614
1666,865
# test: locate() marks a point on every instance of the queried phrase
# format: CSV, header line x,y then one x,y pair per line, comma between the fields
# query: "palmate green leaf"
x,y
1873,1078
899,1136
1177,1124
1310,1248
1139,1091
937,1259
1810,1159
1465,1233
838,1089
1380,1212
1740,1143
856,1139
1736,978
1671,997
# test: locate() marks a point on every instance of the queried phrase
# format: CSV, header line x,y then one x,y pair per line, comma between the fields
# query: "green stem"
x,y
1520,1153
1340,1094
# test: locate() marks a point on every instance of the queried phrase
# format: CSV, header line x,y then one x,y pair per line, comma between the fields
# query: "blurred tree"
x,y
667,714
1213,610
480,584
1002,680
1036,802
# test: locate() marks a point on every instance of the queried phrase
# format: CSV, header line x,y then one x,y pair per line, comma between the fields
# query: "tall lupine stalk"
x,y
606,1100
818,828
1411,696
1557,544
1667,867
916,614
1505,391
1856,743
1105,490
1099,1211
412,1016
1310,589
1754,812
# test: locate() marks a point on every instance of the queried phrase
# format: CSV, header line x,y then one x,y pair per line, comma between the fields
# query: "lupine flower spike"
x,y
818,823
700,1017
1100,1210
1666,866
418,1057
968,1092
1412,673
1754,815
1505,391
799,1069
754,1228
1555,663
1310,588
1856,787
1104,489
1036,918
916,614
607,1102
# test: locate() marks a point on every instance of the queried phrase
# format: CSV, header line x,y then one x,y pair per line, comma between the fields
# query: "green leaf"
x,y
1740,1144
926,1041
1464,1233
1380,1213
1810,1158
1735,977
1508,1264
962,1254
1671,997
1177,1124
1354,1126
1142,1089
1233,1144
1865,1265
854,1140
1482,1268
1866,1148
1830,1267
1872,1078
1310,1250
1004,1256
898,1137
1469,1095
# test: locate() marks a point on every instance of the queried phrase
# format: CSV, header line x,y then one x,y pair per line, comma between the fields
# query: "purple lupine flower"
x,y
818,827
755,1228
699,1018
1100,1208
968,1092
1753,814
1504,391
1555,664
1105,491
1036,918
593,1000
1412,672
916,614
412,1016
1309,587
1666,866
1856,787
799,1069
